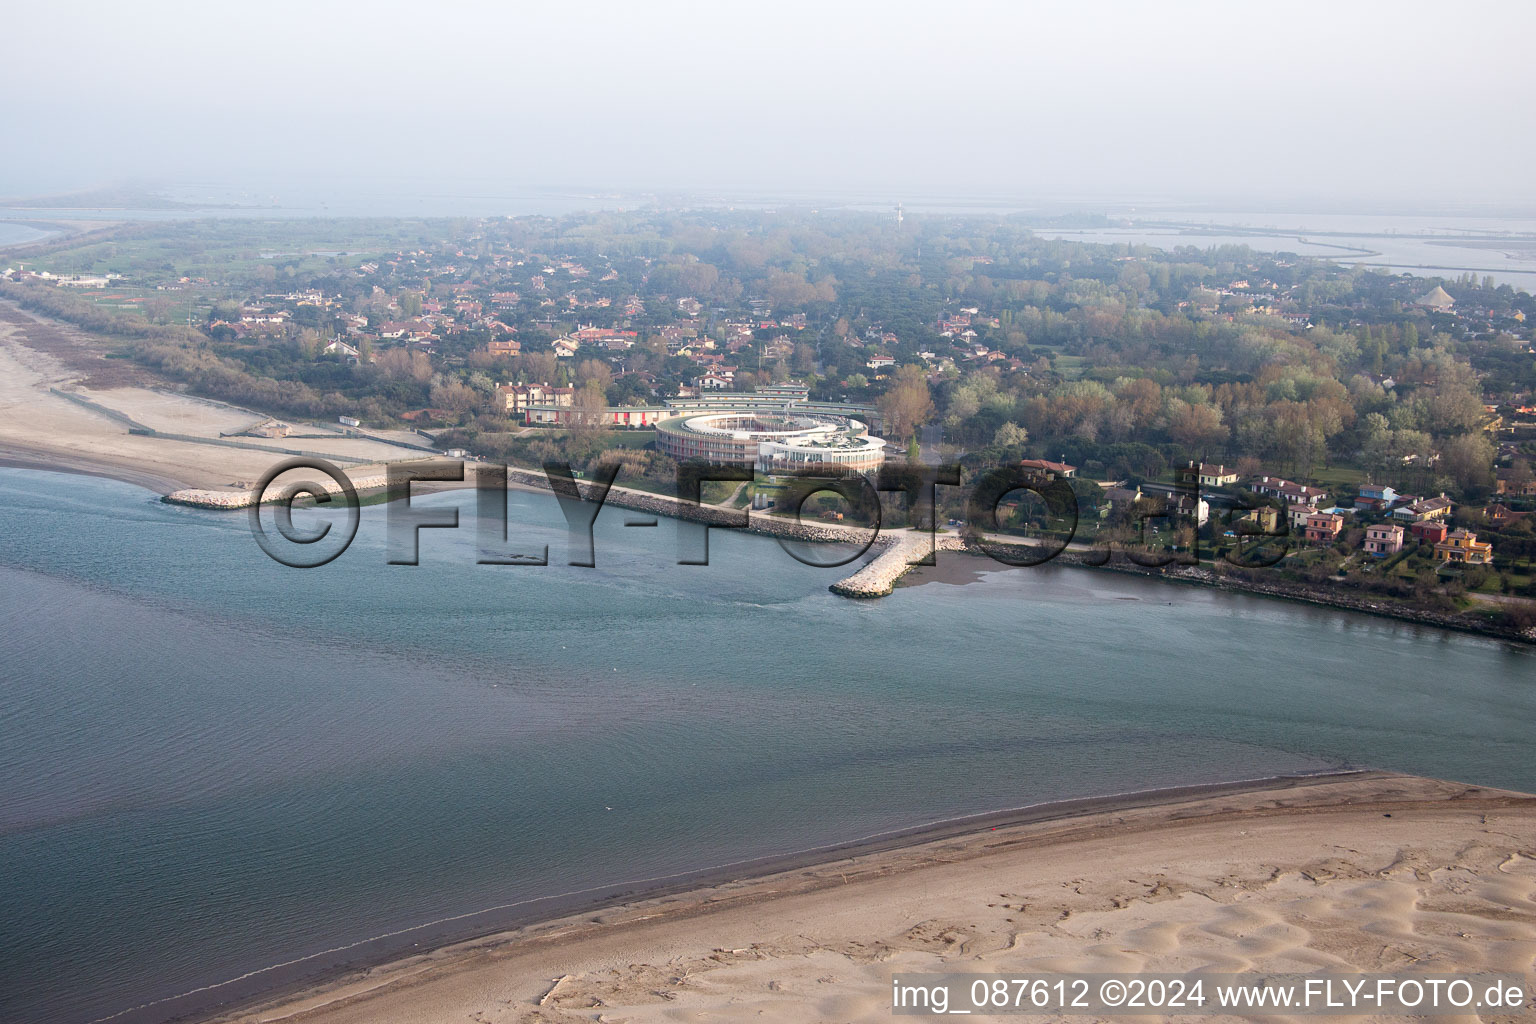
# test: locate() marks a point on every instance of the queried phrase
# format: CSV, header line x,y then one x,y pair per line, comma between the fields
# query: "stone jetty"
x,y
217,498
898,551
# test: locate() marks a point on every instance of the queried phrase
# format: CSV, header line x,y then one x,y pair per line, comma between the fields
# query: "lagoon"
x,y
211,764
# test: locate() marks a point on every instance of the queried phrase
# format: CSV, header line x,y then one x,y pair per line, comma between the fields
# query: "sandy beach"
x,y
1371,872
39,429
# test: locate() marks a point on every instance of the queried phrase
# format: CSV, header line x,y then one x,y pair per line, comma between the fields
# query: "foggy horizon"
x,y
1381,105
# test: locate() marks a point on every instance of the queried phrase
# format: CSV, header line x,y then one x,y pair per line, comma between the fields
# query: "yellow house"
x,y
1266,516
1463,546
1216,476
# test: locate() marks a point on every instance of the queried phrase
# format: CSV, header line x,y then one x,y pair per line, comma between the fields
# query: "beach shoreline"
x,y
505,971
323,970
13,456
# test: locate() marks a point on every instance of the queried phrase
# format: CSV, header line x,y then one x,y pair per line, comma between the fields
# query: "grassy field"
x,y
1340,480
1070,367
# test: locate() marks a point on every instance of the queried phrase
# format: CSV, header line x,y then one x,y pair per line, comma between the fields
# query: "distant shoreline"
x,y
13,457
53,230
49,232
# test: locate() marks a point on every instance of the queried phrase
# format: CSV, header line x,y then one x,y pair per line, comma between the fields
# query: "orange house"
x,y
1324,527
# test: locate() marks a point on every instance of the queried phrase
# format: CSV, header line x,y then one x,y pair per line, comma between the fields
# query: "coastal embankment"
x,y
895,552
1204,575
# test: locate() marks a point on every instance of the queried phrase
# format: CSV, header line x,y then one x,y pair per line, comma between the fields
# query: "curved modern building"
x,y
773,441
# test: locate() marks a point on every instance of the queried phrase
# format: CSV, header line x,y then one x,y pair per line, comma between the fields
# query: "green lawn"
x,y
1070,367
1340,480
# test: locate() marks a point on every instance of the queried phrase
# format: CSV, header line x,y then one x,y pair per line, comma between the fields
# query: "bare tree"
x,y
907,404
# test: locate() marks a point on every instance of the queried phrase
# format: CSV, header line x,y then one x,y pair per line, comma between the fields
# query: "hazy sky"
x,y
1345,100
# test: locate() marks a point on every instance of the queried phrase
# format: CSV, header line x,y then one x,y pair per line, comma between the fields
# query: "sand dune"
x,y
1375,873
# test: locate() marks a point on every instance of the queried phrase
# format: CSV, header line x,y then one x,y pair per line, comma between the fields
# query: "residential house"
x,y
519,397
1216,476
1430,531
1376,498
1122,496
594,335
503,348
1383,539
620,416
337,347
1507,484
1045,468
1288,491
1500,514
1172,504
1324,527
879,362
1266,517
1188,506
1462,546
779,348
564,348
1297,515
1425,509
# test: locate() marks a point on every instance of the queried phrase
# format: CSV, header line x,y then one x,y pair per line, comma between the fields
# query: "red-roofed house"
x,y
1431,531
1324,527
1292,493
1055,469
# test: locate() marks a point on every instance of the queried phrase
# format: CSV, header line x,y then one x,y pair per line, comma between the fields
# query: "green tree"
x,y
1010,435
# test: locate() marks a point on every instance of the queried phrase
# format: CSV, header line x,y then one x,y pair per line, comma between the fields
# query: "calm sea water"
x,y
211,764
12,233
1503,248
